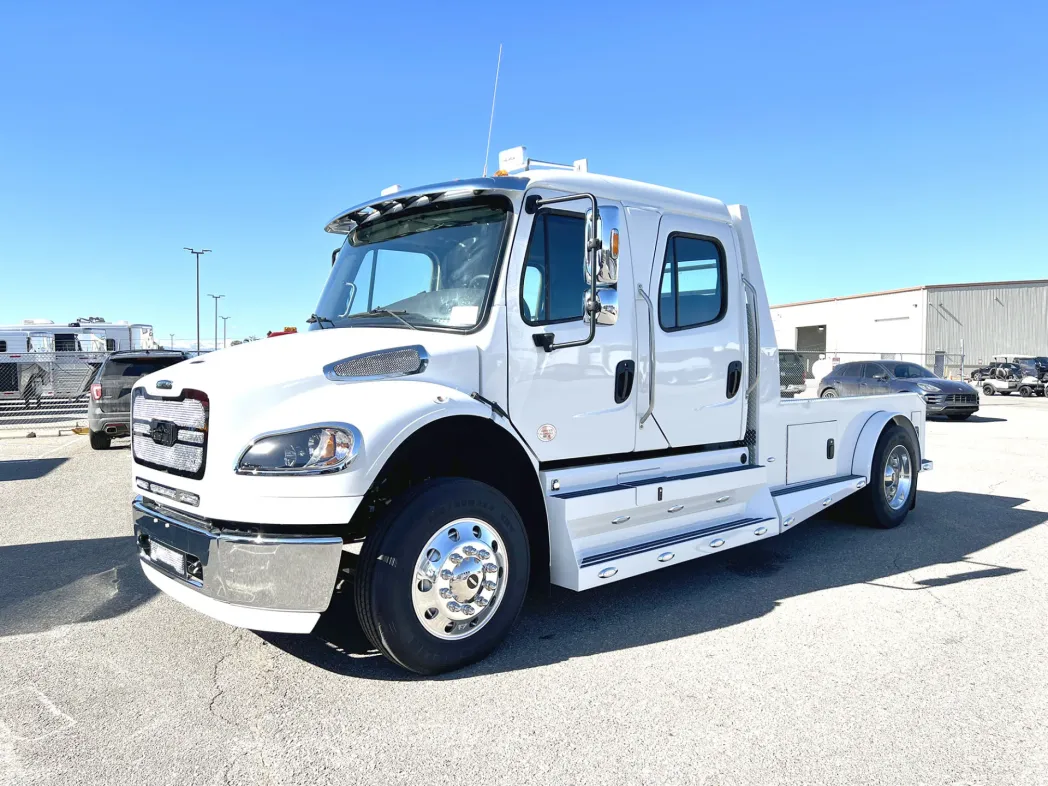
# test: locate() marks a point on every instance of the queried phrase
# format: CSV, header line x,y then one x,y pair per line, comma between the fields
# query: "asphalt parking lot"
x,y
833,654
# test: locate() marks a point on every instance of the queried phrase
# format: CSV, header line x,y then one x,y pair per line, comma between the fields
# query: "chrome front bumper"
x,y
256,572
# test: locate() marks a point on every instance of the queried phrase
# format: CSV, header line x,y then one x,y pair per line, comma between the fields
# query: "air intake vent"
x,y
399,362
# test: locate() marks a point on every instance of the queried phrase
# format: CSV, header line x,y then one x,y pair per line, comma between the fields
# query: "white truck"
x,y
552,376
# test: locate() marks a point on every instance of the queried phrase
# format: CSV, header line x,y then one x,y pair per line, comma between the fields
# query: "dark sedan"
x,y
956,400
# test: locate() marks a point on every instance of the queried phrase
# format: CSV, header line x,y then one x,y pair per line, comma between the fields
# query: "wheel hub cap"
x,y
898,477
459,578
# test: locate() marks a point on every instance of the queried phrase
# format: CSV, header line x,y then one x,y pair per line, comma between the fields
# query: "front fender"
x,y
422,404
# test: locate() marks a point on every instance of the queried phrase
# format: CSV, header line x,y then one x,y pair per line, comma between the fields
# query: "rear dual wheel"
x,y
443,575
893,479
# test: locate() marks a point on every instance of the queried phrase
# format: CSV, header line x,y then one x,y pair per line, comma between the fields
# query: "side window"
x,y
110,345
3,346
399,275
871,370
692,290
553,282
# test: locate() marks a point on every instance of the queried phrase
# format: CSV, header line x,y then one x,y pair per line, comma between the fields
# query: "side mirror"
x,y
607,230
607,306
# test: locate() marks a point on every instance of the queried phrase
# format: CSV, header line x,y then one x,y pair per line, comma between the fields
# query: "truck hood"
x,y
295,362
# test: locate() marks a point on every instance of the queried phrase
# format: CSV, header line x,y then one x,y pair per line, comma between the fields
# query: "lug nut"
x,y
468,610
446,593
469,551
490,586
491,567
454,606
481,601
482,554
455,559
446,574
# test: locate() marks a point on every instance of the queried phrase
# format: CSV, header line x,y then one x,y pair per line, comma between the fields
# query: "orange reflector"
x,y
615,243
501,173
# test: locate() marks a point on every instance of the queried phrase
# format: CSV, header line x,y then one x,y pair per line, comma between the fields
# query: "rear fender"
x,y
862,459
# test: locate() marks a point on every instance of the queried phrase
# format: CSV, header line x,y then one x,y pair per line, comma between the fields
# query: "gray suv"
x,y
955,400
109,409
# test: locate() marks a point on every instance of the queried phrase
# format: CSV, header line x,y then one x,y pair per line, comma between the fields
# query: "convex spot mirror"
x,y
607,306
608,258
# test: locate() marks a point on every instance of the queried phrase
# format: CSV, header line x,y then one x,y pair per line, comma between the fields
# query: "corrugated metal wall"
x,y
991,320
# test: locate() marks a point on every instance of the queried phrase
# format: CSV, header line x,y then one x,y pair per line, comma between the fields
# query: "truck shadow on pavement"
x,y
29,469
714,592
45,585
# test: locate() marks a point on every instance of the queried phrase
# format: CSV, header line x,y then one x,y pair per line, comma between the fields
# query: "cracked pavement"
x,y
832,654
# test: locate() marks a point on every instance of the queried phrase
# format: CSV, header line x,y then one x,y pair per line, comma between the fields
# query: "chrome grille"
x,y
385,363
170,434
188,413
184,458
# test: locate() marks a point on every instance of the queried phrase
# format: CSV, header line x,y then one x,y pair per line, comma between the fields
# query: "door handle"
x,y
625,371
734,378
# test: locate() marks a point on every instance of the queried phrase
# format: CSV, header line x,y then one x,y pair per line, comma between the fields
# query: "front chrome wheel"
x,y
898,477
459,578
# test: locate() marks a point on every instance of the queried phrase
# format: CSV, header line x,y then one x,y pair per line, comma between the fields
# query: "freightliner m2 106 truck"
x,y
550,376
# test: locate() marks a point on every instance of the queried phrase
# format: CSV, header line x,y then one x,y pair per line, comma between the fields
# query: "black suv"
x,y
109,410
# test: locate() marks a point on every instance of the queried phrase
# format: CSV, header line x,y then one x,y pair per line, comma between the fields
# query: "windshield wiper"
x,y
385,312
313,318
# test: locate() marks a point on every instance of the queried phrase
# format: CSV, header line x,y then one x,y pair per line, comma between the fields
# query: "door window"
x,y
872,371
554,279
692,291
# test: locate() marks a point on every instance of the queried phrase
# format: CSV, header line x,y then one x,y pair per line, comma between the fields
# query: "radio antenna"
x,y
491,121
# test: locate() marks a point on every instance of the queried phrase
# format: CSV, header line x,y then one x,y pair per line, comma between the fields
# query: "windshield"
x,y
433,268
909,371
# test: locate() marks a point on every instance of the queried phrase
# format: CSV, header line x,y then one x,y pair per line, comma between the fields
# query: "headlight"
x,y
928,388
310,451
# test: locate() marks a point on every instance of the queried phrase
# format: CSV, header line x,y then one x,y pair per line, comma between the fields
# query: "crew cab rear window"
x,y
3,346
554,280
692,291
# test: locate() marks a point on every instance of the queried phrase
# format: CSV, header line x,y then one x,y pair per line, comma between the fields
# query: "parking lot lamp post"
x,y
197,255
223,330
217,298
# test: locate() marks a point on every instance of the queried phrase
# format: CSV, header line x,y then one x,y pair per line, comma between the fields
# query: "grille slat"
x,y
961,398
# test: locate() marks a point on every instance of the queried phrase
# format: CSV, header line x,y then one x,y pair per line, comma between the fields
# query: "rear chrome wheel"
x,y
459,576
892,490
898,477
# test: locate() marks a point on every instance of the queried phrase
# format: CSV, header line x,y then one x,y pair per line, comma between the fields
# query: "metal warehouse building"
x,y
936,322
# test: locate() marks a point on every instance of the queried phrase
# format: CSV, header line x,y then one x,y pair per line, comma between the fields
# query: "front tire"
x,y
443,575
893,479
1025,391
829,393
99,441
989,390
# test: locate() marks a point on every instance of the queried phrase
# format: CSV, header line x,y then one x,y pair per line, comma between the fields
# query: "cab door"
x,y
699,333
577,401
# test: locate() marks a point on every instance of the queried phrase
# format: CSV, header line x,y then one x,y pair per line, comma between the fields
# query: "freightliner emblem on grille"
x,y
163,432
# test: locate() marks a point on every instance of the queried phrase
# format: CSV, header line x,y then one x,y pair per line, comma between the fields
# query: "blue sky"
x,y
877,145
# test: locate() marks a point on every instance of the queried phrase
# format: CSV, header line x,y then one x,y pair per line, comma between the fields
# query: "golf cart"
x,y
1000,377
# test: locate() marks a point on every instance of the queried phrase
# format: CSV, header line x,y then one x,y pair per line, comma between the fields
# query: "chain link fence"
x,y
48,390
800,371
